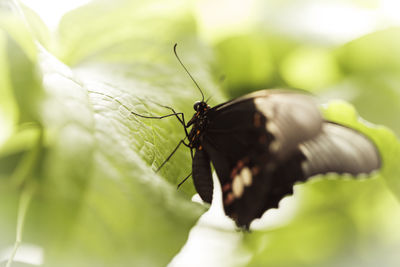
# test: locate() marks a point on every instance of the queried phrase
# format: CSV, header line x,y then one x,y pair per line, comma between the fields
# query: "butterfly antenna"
x,y
191,77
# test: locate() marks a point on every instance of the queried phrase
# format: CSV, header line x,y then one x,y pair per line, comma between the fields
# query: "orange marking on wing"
x,y
262,139
255,170
233,172
240,164
226,187
257,120
229,199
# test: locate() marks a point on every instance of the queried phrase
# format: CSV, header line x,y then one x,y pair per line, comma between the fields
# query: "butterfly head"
x,y
200,106
199,117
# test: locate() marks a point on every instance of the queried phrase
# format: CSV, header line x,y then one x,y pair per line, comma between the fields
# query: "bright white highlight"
x,y
213,240
51,11
390,10
26,253
221,18
332,22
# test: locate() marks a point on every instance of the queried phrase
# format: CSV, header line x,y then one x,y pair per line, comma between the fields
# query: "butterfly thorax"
x,y
199,123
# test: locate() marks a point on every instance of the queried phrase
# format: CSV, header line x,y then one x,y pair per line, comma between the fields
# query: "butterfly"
x,y
264,142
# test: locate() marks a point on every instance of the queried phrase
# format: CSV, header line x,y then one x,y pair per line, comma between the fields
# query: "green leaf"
x,y
376,97
299,68
37,27
17,56
8,107
373,53
386,142
252,61
246,63
70,135
97,199
124,30
98,189
13,22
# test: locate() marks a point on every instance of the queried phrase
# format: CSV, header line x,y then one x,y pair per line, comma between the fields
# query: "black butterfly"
x,y
262,143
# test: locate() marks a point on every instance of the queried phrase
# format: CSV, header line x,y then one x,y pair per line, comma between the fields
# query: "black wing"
x,y
263,143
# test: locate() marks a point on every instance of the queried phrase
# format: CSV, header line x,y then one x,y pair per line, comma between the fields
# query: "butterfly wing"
x,y
339,149
263,143
267,124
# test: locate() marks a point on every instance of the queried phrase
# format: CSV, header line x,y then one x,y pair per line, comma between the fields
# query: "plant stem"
x,y
24,202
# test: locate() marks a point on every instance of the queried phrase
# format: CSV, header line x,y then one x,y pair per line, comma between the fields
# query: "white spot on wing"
x,y
246,176
237,187
305,167
272,128
275,131
274,146
269,113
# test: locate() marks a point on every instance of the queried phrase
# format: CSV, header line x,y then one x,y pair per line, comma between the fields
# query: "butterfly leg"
x,y
176,114
172,153
181,119
184,180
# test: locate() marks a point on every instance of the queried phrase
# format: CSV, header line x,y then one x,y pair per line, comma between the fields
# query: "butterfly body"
x,y
261,144
199,123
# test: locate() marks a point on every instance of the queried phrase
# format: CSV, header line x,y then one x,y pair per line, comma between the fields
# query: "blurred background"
x,y
336,48
85,214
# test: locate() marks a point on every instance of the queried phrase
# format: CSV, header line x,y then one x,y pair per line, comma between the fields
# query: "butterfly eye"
x,y
197,105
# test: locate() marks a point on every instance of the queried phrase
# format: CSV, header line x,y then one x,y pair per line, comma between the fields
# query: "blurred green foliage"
x,y
69,143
